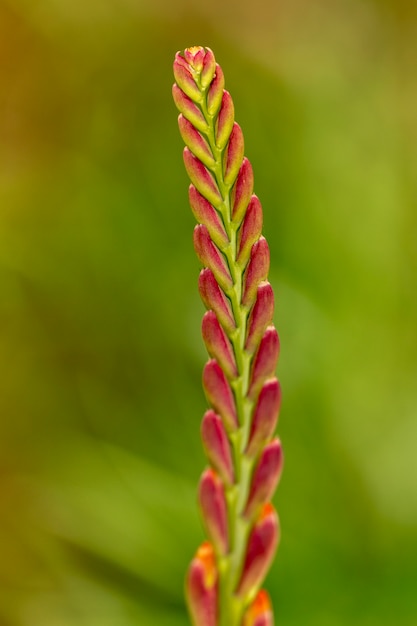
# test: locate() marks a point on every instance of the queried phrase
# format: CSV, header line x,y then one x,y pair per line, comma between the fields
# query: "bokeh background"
x,y
101,356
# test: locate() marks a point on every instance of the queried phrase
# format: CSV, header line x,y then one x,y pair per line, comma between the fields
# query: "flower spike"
x,y
237,431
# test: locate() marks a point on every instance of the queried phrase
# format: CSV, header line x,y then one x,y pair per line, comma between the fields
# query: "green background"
x,y
101,356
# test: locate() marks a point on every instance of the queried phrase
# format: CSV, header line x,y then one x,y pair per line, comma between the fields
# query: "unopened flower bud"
x,y
256,271
201,177
260,316
265,416
201,587
262,544
213,298
209,68
225,120
185,79
250,231
219,394
195,141
189,110
217,344
242,191
234,154
210,256
213,508
259,612
266,476
215,92
205,214
195,57
216,446
265,361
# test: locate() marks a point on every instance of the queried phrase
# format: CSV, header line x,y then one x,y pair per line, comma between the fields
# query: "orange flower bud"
x,y
201,587
259,612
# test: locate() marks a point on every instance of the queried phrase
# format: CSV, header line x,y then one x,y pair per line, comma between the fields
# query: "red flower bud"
x,y
219,394
265,361
201,177
185,80
250,231
189,110
196,143
225,120
216,446
213,507
265,416
213,298
217,344
234,154
266,477
242,191
201,587
210,256
257,270
215,93
205,214
209,68
260,316
261,548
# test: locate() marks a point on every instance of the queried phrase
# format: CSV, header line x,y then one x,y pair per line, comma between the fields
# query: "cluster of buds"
x,y
223,585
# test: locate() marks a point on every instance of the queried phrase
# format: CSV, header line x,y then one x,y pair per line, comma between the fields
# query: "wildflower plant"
x,y
223,585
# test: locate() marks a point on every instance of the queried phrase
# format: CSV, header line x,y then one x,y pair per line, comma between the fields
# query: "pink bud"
x,y
234,154
181,60
210,256
215,93
250,231
266,477
257,270
196,143
216,446
201,587
185,80
195,57
205,213
217,344
209,68
265,361
265,416
189,110
213,298
242,191
260,316
213,507
225,120
219,394
259,612
201,178
261,548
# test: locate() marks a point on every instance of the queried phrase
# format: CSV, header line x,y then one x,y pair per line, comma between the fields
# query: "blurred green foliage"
x,y
101,356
